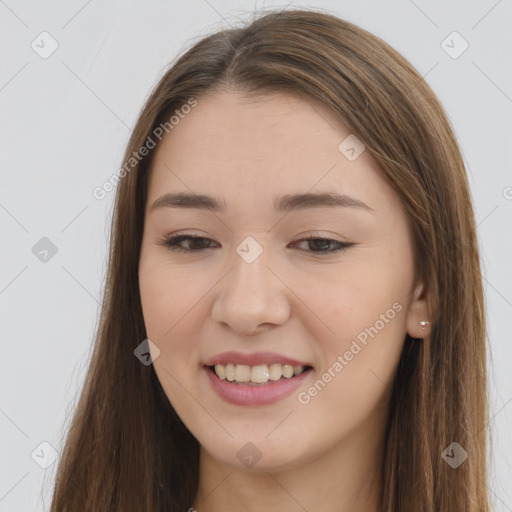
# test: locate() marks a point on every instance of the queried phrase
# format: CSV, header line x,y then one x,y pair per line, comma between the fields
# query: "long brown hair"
x,y
128,450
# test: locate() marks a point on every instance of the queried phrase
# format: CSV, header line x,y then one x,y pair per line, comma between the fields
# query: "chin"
x,y
257,456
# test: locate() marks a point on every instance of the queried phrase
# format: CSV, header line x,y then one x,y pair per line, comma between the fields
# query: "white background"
x,y
64,125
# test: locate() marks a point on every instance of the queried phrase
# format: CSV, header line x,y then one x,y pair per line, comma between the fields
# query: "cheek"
x,y
168,295
159,301
169,307
367,312
359,362
357,300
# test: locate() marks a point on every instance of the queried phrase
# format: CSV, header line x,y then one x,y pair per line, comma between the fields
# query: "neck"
x,y
345,478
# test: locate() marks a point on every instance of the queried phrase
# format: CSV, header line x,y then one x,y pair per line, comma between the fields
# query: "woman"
x,y
293,316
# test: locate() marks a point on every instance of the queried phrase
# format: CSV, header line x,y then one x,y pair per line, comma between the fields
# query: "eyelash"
x,y
172,244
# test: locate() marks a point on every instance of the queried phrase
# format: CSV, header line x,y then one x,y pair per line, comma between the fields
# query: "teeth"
x,y
242,373
230,372
287,371
258,374
275,371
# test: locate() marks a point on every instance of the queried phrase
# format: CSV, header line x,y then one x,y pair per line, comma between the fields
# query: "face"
x,y
274,285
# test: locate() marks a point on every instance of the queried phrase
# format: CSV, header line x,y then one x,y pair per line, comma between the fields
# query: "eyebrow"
x,y
286,203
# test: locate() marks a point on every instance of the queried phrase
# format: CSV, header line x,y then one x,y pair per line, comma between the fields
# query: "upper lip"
x,y
253,359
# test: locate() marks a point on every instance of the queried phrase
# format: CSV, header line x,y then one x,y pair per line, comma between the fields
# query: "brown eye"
x,y
195,243
321,245
316,245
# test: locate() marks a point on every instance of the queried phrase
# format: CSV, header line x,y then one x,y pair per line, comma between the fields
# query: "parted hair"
x,y
126,449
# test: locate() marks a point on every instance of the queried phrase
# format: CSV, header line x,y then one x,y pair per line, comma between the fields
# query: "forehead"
x,y
230,126
275,144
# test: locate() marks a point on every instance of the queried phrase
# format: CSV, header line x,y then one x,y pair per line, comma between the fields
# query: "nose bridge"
x,y
250,294
250,279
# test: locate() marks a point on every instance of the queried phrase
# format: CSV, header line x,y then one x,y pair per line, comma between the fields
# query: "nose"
x,y
251,298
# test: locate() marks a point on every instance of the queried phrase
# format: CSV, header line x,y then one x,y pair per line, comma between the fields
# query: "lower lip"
x,y
240,394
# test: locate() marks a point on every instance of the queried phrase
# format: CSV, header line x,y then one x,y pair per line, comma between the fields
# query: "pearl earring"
x,y
424,324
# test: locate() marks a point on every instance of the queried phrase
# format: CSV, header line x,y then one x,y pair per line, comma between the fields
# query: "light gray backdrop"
x,y
73,76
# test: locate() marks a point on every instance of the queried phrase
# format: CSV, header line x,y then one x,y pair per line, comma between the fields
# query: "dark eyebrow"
x,y
286,203
290,202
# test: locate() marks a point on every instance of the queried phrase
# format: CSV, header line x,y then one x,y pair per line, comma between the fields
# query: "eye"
x,y
323,243
198,244
173,243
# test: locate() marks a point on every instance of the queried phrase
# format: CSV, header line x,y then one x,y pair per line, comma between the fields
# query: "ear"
x,y
418,312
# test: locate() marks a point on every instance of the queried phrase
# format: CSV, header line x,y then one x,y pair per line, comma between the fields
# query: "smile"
x,y
258,374
247,392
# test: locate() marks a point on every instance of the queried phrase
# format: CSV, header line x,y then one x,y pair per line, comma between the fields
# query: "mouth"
x,y
257,375
258,385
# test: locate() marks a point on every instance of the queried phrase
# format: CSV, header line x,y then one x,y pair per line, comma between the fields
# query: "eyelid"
x,y
172,241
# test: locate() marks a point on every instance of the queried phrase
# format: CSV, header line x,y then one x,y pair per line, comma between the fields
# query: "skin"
x,y
324,455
